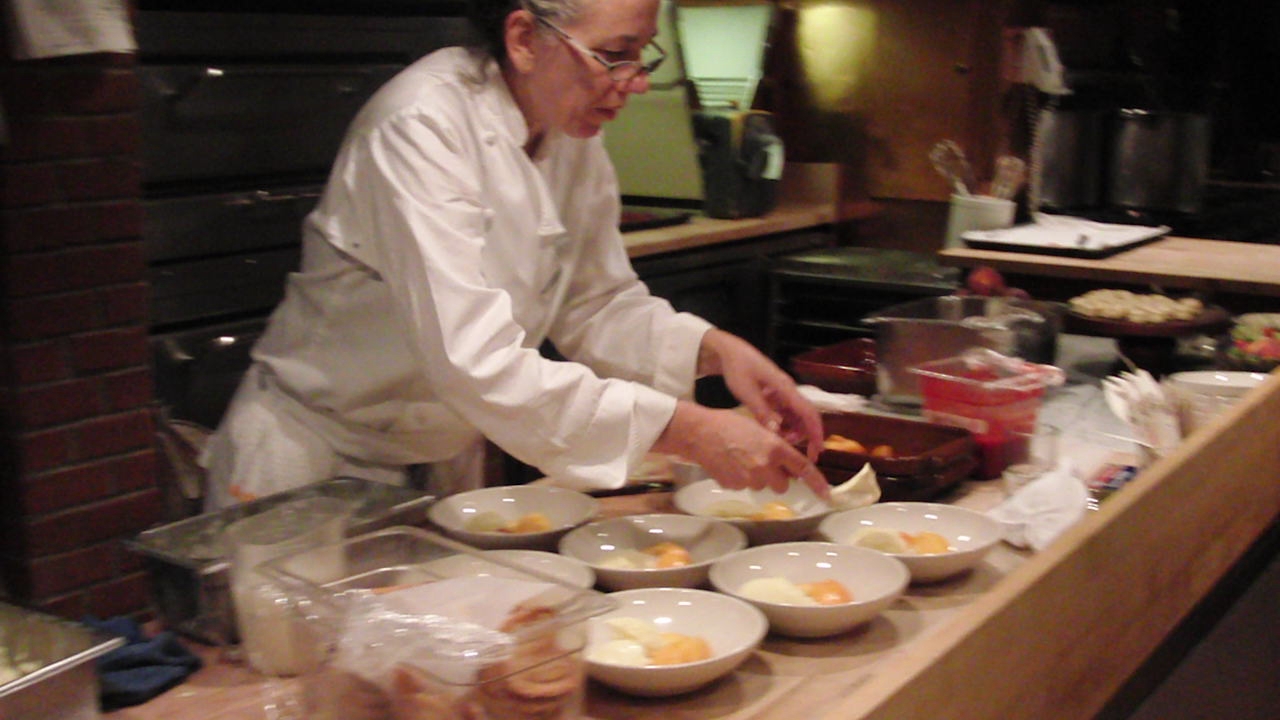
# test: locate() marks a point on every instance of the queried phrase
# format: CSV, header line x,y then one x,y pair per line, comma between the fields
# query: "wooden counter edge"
x,y
1059,636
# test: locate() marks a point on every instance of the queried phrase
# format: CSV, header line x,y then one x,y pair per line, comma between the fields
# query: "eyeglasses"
x,y
622,71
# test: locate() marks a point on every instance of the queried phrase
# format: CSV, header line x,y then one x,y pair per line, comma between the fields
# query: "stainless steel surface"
x,y
188,563
53,658
1071,143
1159,160
940,327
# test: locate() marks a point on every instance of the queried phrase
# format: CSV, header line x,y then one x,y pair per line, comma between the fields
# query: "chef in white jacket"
x,y
470,215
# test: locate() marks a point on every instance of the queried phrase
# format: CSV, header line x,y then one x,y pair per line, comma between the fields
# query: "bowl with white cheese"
x,y
764,515
666,641
525,517
812,589
653,550
935,541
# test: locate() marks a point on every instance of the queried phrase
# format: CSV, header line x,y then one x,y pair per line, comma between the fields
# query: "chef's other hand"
x,y
737,451
763,389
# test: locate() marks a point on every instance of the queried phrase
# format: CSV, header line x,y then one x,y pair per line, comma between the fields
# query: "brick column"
x,y
78,463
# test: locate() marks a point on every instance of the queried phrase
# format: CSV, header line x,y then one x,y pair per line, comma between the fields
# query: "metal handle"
x,y
266,197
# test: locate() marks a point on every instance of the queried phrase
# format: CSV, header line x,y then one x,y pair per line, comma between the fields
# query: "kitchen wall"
x,y
77,456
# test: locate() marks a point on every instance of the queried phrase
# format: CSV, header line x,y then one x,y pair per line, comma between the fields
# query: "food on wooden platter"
x,y
1146,308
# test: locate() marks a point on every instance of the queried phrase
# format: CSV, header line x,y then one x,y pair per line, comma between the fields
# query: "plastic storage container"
x,y
994,396
411,630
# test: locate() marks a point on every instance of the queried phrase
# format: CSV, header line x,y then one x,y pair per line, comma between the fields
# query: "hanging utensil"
x,y
949,160
1011,172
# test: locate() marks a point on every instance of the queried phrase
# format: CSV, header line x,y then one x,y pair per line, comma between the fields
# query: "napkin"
x,y
1040,511
832,402
143,667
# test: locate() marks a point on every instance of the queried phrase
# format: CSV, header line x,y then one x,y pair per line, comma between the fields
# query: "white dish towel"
x,y
1040,511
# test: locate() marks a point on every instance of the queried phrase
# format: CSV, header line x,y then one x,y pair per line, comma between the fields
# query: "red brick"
x,y
54,315
26,90
44,450
100,179
76,269
67,488
71,606
129,389
119,220
113,135
45,138
60,573
126,595
115,434
40,363
51,227
111,519
126,303
138,471
94,91
34,184
58,403
110,349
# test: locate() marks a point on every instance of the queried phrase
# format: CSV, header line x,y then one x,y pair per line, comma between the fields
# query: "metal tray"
x,y
189,566
53,658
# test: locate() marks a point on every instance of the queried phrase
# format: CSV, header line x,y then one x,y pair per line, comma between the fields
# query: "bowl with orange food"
x,y
935,541
764,515
512,517
653,550
666,641
812,589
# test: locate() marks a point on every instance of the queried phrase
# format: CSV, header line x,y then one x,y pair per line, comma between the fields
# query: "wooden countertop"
x,y
700,231
1174,262
1054,634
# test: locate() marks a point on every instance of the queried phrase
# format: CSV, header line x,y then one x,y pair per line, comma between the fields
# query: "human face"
x,y
572,89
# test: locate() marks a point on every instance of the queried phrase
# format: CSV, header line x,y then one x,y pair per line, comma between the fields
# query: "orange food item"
x,y
827,592
529,523
774,510
841,443
926,543
677,649
669,555
882,451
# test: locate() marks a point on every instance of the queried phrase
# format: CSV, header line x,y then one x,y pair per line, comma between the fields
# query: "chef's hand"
x,y
763,389
737,451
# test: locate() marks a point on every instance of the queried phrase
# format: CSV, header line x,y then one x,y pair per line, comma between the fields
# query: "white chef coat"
x,y
437,261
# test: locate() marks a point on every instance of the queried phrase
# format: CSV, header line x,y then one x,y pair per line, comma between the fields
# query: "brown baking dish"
x,y
848,366
928,458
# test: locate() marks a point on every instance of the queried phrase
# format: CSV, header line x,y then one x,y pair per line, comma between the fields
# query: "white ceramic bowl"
x,y
874,579
515,564
970,534
705,496
566,509
603,543
1216,383
730,626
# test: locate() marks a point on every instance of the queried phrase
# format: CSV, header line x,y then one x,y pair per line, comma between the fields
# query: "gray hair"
x,y
488,19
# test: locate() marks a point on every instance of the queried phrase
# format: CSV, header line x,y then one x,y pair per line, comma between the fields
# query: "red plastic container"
x,y
990,395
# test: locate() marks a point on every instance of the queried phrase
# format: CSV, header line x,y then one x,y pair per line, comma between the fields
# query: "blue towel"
x,y
143,667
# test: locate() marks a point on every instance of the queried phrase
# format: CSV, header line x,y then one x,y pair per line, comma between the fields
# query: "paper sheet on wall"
x,y
50,28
